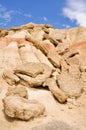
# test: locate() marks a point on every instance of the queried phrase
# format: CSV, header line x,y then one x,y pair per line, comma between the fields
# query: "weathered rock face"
x,y
33,52
39,56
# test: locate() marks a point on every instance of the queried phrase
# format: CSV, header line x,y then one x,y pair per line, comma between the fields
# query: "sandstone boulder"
x,y
39,79
28,26
57,34
11,56
38,33
31,69
60,95
42,58
18,34
27,54
69,84
17,90
21,108
51,39
10,77
54,58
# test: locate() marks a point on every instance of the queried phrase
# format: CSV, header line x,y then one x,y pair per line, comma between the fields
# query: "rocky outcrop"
x,y
32,53
38,56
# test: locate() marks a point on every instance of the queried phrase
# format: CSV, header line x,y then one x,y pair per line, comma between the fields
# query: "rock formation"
x,y
39,57
18,107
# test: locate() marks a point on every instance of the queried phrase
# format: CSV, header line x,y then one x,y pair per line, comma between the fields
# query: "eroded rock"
x,y
10,77
39,79
60,95
17,90
32,52
27,54
54,58
70,84
31,69
21,108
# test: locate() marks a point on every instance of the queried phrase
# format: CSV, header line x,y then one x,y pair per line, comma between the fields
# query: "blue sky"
x,y
59,13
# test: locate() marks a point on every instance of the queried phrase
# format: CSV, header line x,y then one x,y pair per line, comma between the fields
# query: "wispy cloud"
x,y
27,15
45,18
7,15
76,10
22,13
65,25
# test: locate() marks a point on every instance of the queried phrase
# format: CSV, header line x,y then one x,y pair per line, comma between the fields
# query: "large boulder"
x,y
39,79
21,108
27,54
31,69
11,56
69,84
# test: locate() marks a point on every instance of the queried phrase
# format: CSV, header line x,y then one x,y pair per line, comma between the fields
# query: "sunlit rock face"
x,y
42,63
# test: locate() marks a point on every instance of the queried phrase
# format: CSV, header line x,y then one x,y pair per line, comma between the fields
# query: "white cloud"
x,y
22,13
45,18
2,9
7,15
66,26
76,10
27,15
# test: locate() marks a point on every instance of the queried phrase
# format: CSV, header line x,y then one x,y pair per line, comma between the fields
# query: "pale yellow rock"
x,y
54,58
69,84
39,79
10,77
18,34
21,108
30,69
18,90
60,95
27,54
38,33
11,56
42,58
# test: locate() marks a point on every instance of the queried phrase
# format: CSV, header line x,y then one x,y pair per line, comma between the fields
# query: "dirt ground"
x,y
69,116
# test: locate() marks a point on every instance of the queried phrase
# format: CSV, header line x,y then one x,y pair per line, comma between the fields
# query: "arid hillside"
x,y
42,78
